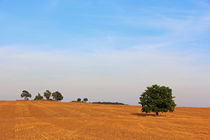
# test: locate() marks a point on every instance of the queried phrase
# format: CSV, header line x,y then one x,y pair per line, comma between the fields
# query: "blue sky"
x,y
106,50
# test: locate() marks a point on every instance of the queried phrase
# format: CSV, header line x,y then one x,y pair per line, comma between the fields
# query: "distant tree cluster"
x,y
80,100
112,103
47,95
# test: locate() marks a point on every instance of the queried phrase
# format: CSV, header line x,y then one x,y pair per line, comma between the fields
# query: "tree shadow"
x,y
142,114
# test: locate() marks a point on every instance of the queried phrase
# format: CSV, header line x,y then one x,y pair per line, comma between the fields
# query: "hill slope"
x,y
26,120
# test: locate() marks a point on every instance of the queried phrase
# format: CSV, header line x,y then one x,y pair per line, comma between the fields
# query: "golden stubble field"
x,y
49,120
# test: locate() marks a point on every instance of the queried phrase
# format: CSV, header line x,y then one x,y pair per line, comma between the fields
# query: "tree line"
x,y
48,96
109,103
57,96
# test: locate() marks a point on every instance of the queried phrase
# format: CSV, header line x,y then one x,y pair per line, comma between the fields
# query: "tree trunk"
x,y
157,113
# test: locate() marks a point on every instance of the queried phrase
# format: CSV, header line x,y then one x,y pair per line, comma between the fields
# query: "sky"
x,y
106,50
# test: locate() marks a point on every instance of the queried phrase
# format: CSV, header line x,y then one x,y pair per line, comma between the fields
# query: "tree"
x,y
157,99
25,94
85,99
57,96
47,94
78,99
38,97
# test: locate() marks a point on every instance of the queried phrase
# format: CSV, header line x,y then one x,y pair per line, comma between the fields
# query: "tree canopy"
x,y
85,99
25,94
57,96
47,94
38,97
157,99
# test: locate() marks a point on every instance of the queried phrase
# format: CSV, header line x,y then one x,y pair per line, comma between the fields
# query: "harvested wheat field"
x,y
48,120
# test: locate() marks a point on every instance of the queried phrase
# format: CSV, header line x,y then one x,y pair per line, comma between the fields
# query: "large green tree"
x,y
47,94
38,97
25,94
157,99
57,96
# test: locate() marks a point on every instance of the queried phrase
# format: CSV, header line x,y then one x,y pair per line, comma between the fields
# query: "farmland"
x,y
43,120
